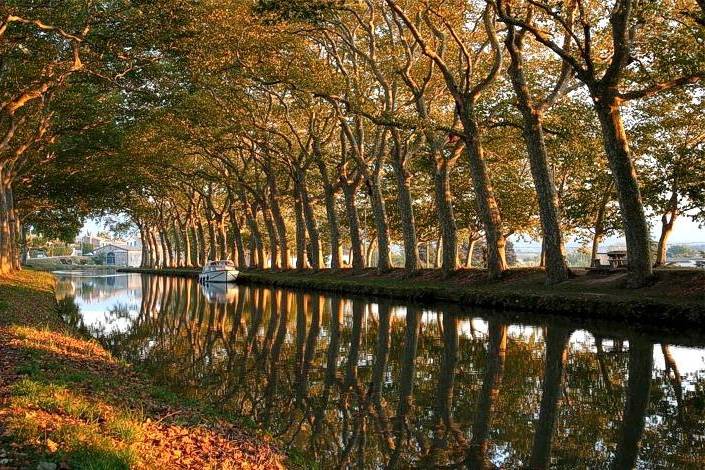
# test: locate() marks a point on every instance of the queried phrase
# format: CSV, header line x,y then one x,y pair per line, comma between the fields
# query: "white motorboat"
x,y
218,271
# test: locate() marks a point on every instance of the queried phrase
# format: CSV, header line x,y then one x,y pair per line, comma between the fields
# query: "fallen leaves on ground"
x,y
64,399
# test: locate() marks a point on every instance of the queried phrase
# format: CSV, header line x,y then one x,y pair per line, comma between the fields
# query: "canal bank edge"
x,y
627,306
66,402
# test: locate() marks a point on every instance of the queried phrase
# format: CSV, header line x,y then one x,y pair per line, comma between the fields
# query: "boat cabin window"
x,y
221,263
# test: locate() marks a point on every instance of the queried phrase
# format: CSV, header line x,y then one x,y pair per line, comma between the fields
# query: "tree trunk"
x,y
166,247
371,251
666,230
177,244
201,243
256,248
184,229
14,230
336,249
237,239
636,229
439,253
406,208
272,234
310,220
212,240
149,250
195,244
329,193
143,240
379,212
5,241
24,250
446,216
300,232
222,238
484,195
279,223
549,211
157,251
349,193
471,248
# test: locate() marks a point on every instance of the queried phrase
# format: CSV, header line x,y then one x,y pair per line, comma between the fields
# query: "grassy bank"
x,y
675,299
65,401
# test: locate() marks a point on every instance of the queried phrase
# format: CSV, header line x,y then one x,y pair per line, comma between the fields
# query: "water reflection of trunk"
x,y
378,370
269,334
443,417
350,427
255,319
144,301
604,372
406,382
641,362
232,364
336,316
309,353
271,389
300,335
358,311
556,356
676,380
496,354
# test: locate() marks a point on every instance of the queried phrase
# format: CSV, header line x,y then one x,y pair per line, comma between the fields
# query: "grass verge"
x,y
65,401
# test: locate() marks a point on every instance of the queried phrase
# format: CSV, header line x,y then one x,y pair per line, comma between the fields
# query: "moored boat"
x,y
218,271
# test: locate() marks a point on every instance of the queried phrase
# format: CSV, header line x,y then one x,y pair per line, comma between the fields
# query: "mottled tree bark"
x,y
532,130
222,237
484,194
279,222
239,248
636,228
446,216
314,234
379,212
667,221
178,259
329,194
406,208
300,232
350,193
201,242
272,235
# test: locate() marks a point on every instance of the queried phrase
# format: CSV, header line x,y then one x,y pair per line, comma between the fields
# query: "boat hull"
x,y
218,276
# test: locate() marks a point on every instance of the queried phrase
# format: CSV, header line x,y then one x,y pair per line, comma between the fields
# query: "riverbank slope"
x,y
66,403
675,299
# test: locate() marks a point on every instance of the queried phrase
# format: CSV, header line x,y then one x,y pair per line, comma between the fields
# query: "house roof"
x,y
116,248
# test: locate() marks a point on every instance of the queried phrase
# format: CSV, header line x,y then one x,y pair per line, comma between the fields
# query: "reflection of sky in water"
x,y
107,302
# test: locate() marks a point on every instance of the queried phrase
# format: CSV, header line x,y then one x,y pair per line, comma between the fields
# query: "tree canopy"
x,y
385,133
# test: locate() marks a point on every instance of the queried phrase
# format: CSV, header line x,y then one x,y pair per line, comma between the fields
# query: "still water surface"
x,y
371,383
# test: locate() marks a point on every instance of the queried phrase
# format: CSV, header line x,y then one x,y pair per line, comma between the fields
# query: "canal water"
x,y
369,383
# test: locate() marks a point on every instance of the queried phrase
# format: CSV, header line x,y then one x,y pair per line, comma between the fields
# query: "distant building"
x,y
99,242
120,256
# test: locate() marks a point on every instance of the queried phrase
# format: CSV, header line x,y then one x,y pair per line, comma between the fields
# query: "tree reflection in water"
x,y
368,384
